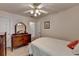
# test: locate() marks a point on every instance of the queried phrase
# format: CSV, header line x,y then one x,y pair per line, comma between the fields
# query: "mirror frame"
x,y
16,27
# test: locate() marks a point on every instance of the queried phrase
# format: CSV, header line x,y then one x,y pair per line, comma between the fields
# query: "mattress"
x,y
46,46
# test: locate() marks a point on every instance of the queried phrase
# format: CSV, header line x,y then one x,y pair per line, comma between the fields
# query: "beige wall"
x,y
63,25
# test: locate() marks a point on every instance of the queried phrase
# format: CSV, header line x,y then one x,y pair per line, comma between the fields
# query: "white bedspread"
x,y
50,47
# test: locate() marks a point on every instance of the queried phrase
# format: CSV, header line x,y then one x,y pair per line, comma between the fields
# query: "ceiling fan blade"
x,y
43,11
27,11
31,6
40,6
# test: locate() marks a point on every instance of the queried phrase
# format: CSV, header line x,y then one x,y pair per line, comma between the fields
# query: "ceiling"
x,y
19,8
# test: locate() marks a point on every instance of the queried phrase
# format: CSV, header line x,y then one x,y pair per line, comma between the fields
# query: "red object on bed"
x,y
73,44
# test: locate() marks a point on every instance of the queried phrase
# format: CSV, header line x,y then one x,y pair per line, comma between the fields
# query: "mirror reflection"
x,y
20,28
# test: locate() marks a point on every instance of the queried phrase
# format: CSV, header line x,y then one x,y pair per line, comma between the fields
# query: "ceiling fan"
x,y
35,9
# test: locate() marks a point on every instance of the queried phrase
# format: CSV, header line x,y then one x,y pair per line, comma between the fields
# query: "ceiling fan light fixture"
x,y
36,11
31,11
39,13
35,15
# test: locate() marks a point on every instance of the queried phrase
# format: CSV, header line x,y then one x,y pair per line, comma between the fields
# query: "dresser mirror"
x,y
20,28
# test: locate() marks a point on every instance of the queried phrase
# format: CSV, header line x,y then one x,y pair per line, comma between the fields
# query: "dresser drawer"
x,y
20,40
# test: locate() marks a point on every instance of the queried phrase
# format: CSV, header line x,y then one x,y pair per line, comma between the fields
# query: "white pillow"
x,y
75,51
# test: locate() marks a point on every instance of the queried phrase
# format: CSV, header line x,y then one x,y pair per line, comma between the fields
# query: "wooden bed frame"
x,y
3,44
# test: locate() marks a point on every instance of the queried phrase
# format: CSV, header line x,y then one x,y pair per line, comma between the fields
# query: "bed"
x,y
46,46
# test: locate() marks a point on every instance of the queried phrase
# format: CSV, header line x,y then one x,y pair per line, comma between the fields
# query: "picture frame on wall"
x,y
47,25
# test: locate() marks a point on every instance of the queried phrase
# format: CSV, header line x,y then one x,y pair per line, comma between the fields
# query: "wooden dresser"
x,y
21,37
19,40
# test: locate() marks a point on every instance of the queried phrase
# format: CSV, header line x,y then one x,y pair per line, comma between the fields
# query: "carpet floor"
x,y
22,51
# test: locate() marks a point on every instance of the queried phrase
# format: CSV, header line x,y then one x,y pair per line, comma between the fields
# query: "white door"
x,y
32,29
4,27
